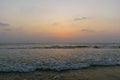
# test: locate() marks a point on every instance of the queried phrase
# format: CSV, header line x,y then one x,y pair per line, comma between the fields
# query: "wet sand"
x,y
93,73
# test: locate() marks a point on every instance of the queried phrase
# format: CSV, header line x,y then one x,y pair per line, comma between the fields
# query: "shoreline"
x,y
92,73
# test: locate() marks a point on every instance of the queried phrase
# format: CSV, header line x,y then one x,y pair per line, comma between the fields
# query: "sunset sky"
x,y
37,21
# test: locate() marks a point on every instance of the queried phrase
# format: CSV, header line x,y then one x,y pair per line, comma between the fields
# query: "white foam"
x,y
26,60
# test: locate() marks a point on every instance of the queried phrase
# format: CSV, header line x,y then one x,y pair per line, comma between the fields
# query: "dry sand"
x,y
93,73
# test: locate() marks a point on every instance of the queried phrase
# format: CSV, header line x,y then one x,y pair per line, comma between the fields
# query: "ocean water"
x,y
57,57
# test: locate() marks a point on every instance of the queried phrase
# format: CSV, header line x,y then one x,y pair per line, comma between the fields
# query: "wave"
x,y
58,47
58,66
57,57
111,47
44,47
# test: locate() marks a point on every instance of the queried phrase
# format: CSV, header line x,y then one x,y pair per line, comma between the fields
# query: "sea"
x,y
28,57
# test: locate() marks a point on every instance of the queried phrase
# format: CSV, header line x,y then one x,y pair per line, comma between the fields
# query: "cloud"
x,y
7,29
4,24
87,30
55,24
80,18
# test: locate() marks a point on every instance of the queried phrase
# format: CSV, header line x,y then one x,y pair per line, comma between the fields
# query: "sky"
x,y
79,21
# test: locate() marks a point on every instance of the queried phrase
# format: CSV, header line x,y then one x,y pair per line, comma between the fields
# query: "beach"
x,y
93,73
59,39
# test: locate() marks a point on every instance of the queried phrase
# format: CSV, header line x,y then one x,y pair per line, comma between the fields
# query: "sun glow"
x,y
62,32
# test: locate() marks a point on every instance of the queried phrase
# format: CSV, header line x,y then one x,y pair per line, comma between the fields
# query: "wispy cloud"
x,y
7,29
56,24
80,18
87,30
2,24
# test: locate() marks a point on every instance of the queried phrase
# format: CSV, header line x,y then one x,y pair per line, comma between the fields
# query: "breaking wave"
x,y
58,66
62,47
27,58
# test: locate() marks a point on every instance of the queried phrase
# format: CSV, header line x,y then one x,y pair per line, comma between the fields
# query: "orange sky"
x,y
51,20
